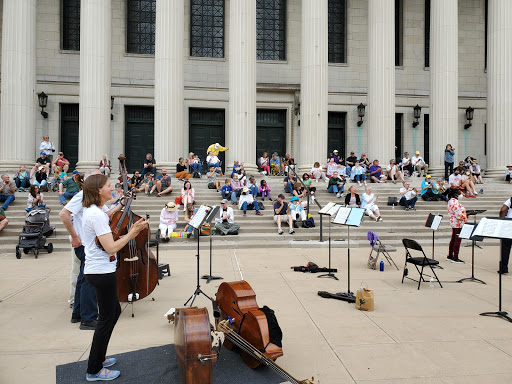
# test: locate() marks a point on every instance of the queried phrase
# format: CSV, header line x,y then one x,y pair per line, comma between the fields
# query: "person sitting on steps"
x,y
181,170
336,185
408,197
264,190
225,220
282,213
22,179
163,183
213,183
168,220
297,211
248,202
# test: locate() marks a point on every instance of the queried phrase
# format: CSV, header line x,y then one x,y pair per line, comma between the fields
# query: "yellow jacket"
x,y
216,151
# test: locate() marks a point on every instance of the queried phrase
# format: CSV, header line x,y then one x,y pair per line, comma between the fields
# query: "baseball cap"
x,y
363,154
335,151
280,196
61,153
417,152
75,172
42,153
428,176
223,201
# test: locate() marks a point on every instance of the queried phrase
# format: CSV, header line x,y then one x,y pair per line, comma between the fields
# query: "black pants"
x,y
447,167
505,254
109,308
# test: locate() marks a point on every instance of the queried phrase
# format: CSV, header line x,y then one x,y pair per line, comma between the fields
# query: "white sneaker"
x,y
338,195
280,231
326,180
292,231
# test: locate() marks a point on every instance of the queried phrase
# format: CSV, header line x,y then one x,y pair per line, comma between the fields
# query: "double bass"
x,y
137,269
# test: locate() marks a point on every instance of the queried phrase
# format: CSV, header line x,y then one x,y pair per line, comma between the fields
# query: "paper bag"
x,y
364,299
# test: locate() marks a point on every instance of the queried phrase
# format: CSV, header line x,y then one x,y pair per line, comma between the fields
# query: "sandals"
x,y
103,375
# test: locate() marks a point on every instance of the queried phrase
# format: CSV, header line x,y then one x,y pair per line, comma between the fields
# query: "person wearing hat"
x,y
168,220
61,162
216,149
7,189
41,178
407,165
336,157
248,202
297,210
364,162
72,188
508,174
476,172
429,190
47,147
282,213
419,164
350,162
42,161
225,220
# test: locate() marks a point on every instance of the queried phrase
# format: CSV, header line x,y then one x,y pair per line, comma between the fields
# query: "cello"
x,y
137,270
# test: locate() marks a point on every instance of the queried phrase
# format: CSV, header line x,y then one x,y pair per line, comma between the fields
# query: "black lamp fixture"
x,y
469,115
43,102
417,115
111,107
360,113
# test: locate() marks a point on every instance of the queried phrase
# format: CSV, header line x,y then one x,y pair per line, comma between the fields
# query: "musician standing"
x,y
506,211
100,270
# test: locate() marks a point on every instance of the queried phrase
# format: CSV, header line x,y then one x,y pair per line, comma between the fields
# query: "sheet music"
x,y
436,222
342,215
466,231
494,227
334,210
199,217
355,217
326,208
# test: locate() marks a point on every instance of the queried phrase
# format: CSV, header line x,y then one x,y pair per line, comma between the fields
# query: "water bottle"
x,y
432,283
381,265
393,207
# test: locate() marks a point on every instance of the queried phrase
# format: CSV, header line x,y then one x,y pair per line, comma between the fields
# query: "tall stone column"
x,y
18,96
444,85
381,80
169,61
95,82
499,87
313,84
241,135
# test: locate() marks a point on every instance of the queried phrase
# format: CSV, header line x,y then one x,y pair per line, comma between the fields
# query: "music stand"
x,y
467,233
196,223
209,219
496,228
433,222
330,209
474,212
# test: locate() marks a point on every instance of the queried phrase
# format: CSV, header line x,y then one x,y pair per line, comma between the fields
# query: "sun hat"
x,y
170,206
245,189
40,167
294,198
217,145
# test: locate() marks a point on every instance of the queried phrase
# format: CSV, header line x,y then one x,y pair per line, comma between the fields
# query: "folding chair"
x,y
418,261
162,268
380,248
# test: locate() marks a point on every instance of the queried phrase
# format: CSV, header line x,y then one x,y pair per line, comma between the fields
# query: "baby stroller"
x,y
35,231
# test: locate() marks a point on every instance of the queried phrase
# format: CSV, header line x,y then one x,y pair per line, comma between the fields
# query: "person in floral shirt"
x,y
458,218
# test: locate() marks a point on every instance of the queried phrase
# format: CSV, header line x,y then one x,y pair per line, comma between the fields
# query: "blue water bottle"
x,y
381,265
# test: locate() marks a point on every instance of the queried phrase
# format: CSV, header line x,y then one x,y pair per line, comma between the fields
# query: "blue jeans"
x,y
361,177
225,195
25,183
336,189
254,190
234,195
85,303
216,165
40,184
289,187
28,209
66,195
196,167
7,200
254,205
408,203
147,170
348,169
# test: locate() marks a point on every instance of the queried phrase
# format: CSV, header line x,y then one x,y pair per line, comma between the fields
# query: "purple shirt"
x,y
236,185
375,168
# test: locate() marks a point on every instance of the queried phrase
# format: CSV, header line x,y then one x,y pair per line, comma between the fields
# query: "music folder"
x,y
467,232
495,227
433,221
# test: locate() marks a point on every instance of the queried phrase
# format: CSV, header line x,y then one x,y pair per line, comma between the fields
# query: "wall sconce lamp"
x,y
469,116
43,102
417,115
111,107
360,113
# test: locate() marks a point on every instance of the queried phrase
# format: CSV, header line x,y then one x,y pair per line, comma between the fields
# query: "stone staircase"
x,y
256,231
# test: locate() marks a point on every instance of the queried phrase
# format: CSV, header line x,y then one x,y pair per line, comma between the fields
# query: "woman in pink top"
x,y
458,218
187,194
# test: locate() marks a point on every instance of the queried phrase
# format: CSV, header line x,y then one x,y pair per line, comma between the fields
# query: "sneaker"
x,y
103,375
472,196
338,195
341,195
291,231
457,261
481,191
258,213
449,258
406,208
378,219
245,213
109,362
280,231
413,208
75,318
88,325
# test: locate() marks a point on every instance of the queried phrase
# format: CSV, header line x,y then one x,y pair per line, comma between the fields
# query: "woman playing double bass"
x,y
100,271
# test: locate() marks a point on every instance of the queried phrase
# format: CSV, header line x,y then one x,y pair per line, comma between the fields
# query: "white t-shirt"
x,y
417,160
249,199
454,180
32,198
509,213
393,169
408,195
406,161
313,170
76,208
95,223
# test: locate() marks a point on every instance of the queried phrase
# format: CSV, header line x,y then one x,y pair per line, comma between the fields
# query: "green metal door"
x,y
69,133
398,137
336,133
138,136
206,127
270,132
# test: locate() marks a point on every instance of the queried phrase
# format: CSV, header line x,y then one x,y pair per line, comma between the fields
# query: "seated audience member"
x,y
408,196
265,163
275,164
60,162
369,203
358,173
213,161
239,168
41,178
163,183
213,183
226,190
288,163
467,162
318,173
134,181
376,174
467,182
264,190
168,220
350,162
3,220
42,161
288,183
187,194
336,185
462,167
236,187
105,166
297,211
35,199
149,165
189,214
455,179
181,170
216,149
429,191
58,177
299,191
508,174
394,172
116,195
225,220
407,164
248,202
336,157
419,164
309,184
22,179
352,199
253,187
282,213
195,164
72,188
150,184
365,162
476,172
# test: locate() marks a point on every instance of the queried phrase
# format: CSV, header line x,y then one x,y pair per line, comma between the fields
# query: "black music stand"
x,y
209,219
330,210
474,212
433,222
467,233
196,222
496,228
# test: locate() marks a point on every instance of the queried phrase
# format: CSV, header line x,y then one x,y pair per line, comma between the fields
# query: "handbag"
x,y
372,261
205,230
364,298
261,206
392,200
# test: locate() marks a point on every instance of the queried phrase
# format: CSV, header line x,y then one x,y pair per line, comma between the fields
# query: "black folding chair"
x,y
423,261
162,268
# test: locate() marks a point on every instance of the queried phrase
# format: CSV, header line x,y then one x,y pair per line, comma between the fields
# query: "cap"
x,y
40,168
61,153
417,152
245,189
223,201
42,153
217,145
75,172
363,154
428,176
352,152
335,151
294,198
280,196
170,206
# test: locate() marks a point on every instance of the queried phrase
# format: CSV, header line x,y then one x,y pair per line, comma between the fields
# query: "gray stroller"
x,y
35,231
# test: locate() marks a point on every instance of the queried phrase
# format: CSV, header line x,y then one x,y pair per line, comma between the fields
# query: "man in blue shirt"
x,y
275,164
376,173
429,192
163,181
